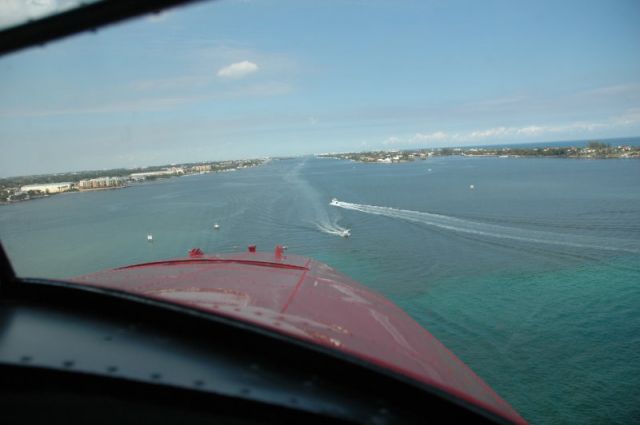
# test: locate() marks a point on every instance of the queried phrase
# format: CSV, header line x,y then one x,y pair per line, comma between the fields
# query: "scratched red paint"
x,y
309,300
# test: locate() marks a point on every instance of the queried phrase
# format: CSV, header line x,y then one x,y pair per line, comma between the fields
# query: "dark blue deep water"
x,y
532,277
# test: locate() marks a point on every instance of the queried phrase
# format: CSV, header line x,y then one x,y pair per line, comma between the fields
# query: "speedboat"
x,y
345,233
334,202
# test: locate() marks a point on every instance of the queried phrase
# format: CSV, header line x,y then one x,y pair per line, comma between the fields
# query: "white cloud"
x,y
531,130
490,133
238,70
629,119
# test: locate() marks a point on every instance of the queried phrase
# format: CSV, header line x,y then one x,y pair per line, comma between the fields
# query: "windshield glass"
x,y
16,12
477,163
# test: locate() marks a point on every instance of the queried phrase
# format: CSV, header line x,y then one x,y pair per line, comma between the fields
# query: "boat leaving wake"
x,y
494,231
314,210
333,229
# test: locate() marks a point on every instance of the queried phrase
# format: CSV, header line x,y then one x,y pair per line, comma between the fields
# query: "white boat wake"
x,y
494,231
333,230
314,209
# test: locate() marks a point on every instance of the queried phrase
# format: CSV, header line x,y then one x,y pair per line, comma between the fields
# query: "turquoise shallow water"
x,y
532,277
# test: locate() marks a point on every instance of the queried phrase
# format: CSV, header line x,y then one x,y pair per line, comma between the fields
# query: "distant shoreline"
x,y
593,150
27,188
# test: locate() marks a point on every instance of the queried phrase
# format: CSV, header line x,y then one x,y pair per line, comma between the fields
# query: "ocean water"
x,y
532,277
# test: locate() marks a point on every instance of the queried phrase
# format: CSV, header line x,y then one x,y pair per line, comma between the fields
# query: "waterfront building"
x,y
101,182
201,168
47,187
167,172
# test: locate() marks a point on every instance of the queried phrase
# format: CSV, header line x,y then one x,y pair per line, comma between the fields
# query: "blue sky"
x,y
239,79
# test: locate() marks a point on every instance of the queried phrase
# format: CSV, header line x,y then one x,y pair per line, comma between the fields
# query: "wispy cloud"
x,y
267,89
619,89
630,117
528,131
238,70
517,133
177,83
437,136
145,104
496,103
148,104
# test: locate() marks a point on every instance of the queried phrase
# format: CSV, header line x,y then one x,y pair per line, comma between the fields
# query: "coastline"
x,y
592,151
11,187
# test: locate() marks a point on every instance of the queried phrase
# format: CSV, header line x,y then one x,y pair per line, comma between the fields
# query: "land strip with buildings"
x,y
23,188
593,150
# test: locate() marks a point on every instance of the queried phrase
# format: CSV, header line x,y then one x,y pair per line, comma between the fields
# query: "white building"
x,y
167,172
101,182
47,187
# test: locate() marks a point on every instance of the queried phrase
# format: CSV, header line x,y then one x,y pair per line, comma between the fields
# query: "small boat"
x,y
471,187
345,233
334,202
216,226
150,237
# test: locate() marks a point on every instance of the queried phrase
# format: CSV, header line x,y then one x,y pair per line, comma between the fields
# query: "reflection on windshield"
x,y
17,12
